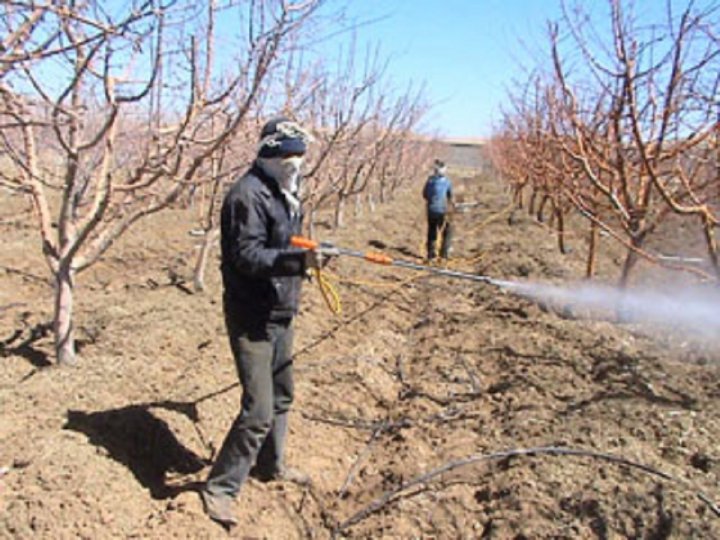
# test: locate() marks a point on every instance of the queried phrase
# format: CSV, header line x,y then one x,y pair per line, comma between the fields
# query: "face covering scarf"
x,y
286,172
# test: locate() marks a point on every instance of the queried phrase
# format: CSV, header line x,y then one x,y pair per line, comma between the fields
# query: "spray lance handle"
x,y
370,256
381,258
307,243
304,243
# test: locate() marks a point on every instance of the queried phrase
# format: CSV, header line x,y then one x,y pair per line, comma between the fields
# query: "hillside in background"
x,y
465,155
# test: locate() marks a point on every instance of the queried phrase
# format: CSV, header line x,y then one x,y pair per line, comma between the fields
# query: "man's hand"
x,y
320,256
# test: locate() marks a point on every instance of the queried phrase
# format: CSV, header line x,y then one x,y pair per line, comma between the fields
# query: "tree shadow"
x,y
26,348
145,444
377,244
28,276
621,379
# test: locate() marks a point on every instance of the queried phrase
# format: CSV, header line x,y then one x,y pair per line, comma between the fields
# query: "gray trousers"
x,y
257,436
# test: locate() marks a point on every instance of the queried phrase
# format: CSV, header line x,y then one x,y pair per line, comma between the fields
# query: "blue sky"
x,y
466,52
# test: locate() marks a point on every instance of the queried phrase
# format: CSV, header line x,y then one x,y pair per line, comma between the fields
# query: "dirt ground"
x,y
430,407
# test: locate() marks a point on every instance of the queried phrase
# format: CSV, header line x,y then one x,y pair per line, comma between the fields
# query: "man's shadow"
x,y
145,444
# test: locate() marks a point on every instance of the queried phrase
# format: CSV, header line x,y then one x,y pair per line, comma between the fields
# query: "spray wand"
x,y
381,258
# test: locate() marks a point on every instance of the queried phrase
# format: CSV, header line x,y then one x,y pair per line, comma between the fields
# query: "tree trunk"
x,y
63,323
370,201
201,264
339,208
623,311
531,203
518,197
630,260
541,210
592,250
311,222
357,210
637,239
560,230
711,245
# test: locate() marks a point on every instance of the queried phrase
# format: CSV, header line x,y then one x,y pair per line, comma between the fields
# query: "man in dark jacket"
x,y
437,194
262,275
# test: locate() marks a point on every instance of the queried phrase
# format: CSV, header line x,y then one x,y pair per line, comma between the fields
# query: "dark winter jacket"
x,y
261,271
437,191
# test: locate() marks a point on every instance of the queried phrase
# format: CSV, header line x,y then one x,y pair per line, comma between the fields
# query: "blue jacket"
x,y
438,190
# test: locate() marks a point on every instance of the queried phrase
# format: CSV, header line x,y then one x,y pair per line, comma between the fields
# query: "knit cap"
x,y
281,137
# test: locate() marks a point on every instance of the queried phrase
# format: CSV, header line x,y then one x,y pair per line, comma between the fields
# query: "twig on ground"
x,y
361,457
388,497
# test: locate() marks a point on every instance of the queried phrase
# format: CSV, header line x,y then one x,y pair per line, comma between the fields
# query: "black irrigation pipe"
x,y
378,503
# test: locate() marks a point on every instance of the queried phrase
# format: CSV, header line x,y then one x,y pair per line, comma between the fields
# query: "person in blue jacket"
x,y
438,196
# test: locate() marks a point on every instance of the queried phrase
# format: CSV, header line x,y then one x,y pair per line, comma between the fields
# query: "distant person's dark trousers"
x,y
264,363
438,223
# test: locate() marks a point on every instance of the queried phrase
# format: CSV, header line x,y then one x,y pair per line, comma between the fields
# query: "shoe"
x,y
296,476
219,508
286,474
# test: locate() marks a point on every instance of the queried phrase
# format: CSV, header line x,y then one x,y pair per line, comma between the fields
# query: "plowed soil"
x,y
430,407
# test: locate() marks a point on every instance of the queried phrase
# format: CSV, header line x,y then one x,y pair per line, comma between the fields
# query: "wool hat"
x,y
281,137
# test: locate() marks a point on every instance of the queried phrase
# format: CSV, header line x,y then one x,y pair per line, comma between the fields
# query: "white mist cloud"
x,y
689,310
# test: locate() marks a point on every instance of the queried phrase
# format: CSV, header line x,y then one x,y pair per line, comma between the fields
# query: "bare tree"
x,y
626,130
363,131
110,118
659,102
